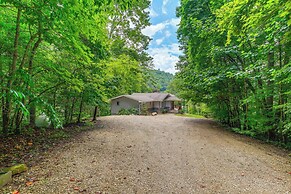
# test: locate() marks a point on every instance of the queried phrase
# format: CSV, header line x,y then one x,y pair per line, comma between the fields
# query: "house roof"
x,y
172,97
140,98
153,96
136,98
150,97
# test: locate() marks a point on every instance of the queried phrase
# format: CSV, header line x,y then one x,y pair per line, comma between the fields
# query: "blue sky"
x,y
164,47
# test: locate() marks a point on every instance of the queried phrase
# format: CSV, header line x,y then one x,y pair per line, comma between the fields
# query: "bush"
x,y
144,110
181,111
198,109
244,132
131,111
165,110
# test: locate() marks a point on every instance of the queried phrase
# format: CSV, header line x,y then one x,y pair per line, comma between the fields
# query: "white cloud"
x,y
153,29
168,34
152,12
164,9
166,57
175,22
175,49
159,41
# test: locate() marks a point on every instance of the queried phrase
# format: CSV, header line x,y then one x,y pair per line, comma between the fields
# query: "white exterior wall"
x,y
124,102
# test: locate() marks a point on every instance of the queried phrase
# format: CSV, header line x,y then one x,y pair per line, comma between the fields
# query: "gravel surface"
x,y
161,154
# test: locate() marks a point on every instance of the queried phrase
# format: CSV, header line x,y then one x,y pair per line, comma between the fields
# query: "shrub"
x,y
181,111
131,111
165,110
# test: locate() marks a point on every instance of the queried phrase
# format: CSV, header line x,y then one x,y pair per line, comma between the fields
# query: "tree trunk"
x,y
95,113
19,81
66,112
32,109
32,115
72,109
25,55
270,83
18,122
80,109
281,115
2,89
6,110
245,108
270,97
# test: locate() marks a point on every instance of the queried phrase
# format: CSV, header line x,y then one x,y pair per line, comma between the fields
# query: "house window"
x,y
117,103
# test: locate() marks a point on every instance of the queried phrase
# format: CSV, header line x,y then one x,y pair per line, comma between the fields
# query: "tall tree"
x,y
236,55
52,56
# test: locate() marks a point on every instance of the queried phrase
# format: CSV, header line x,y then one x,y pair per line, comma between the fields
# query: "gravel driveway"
x,y
162,154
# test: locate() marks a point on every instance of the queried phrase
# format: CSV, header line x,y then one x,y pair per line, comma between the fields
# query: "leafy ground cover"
x,y
32,145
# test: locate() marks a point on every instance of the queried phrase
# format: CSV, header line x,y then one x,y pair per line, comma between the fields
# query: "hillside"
x,y
160,80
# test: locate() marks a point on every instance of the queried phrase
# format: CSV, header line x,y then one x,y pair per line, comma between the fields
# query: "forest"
x,y
160,80
61,61
66,59
237,61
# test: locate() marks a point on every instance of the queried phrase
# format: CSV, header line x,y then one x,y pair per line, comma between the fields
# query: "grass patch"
x,y
191,116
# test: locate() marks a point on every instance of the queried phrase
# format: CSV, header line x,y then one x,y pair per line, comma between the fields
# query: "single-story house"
x,y
151,102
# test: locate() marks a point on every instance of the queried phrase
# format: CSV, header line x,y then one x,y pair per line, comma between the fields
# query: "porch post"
x,y
139,105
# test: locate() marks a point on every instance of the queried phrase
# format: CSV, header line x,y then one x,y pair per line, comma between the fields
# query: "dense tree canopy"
x,y
237,60
160,80
62,58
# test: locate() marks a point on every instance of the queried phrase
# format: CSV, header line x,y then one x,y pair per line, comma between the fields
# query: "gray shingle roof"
x,y
153,96
140,98
172,98
150,97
